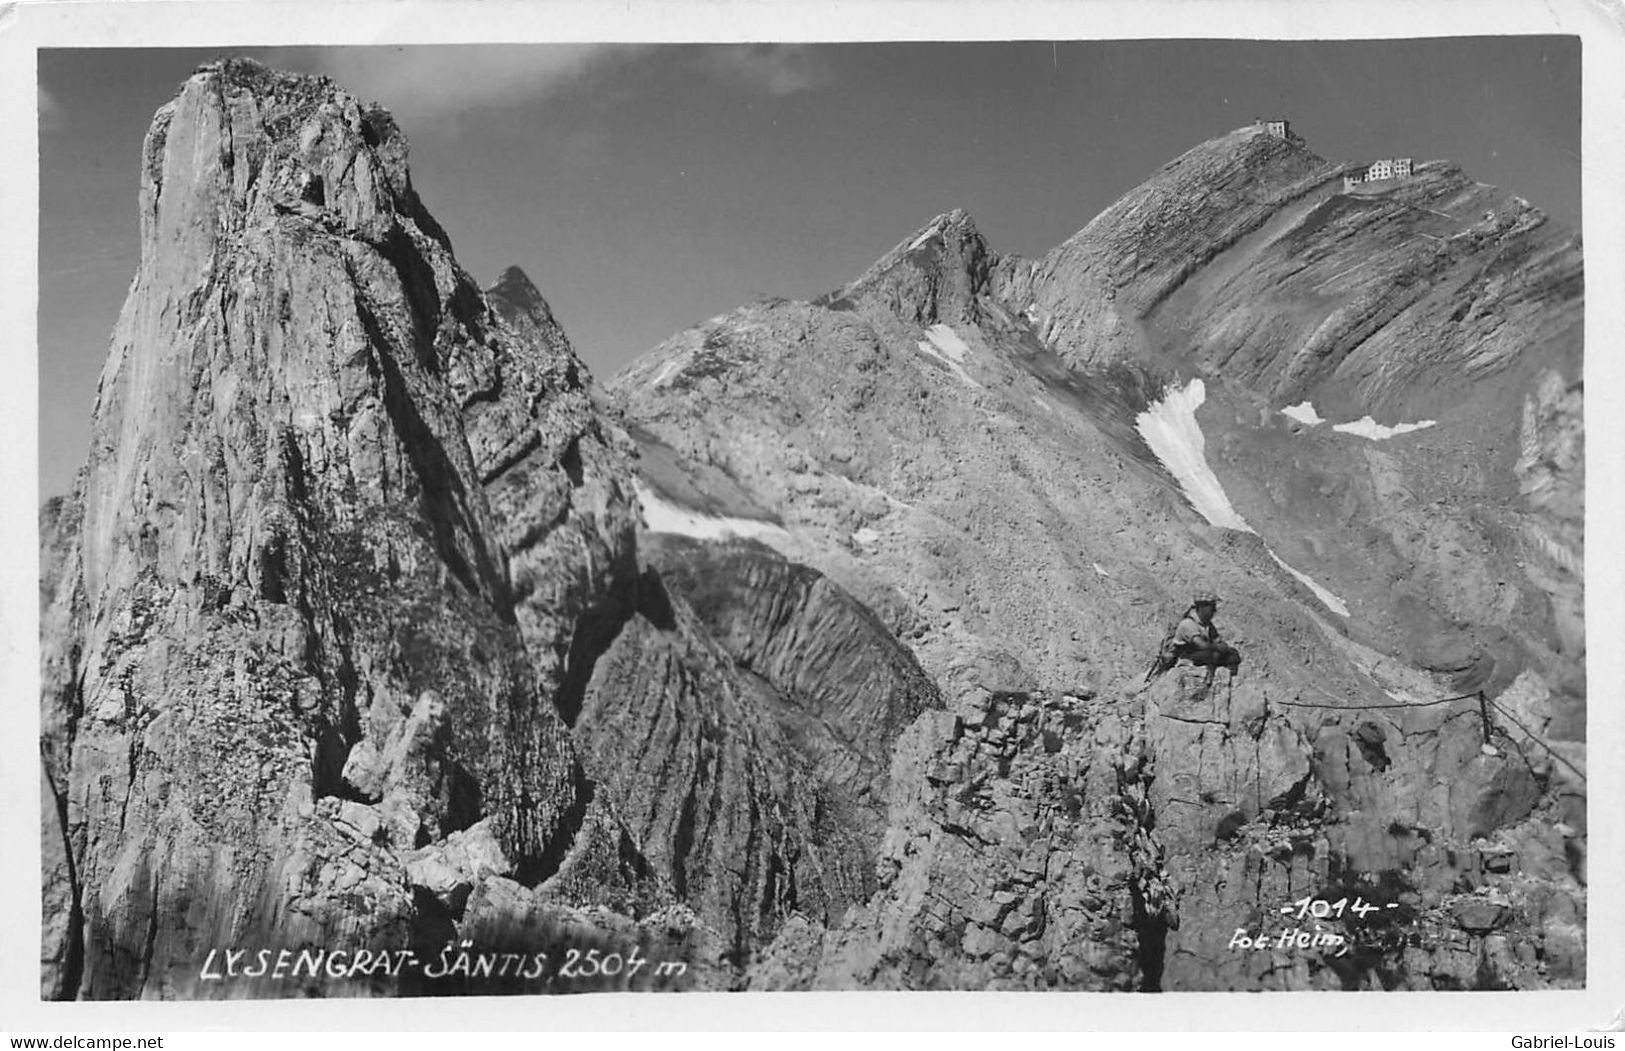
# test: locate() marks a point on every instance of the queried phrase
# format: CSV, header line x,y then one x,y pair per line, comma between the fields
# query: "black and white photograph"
x,y
1084,511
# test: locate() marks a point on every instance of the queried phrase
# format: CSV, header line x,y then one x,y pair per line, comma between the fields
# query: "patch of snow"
x,y
1327,599
944,344
865,536
1304,412
1169,427
1099,570
948,341
925,235
662,516
668,370
1369,428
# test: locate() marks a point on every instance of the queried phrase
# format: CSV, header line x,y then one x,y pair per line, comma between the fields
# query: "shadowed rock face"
x,y
762,703
353,633
839,672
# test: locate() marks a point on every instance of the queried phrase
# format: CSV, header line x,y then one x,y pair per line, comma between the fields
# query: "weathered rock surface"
x,y
849,683
288,556
765,701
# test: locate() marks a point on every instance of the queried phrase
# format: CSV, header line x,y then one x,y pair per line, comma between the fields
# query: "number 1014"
x,y
1321,909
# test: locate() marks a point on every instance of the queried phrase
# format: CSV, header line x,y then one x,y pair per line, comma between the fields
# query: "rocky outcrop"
x,y
295,598
62,614
849,682
939,274
764,702
1262,802
1016,859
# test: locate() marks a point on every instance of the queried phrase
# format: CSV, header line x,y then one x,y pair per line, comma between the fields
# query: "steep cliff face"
x,y
753,787
295,598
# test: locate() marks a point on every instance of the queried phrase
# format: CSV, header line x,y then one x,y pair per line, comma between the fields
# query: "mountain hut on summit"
x,y
1376,171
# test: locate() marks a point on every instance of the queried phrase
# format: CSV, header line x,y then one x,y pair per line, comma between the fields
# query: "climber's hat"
x,y
1205,598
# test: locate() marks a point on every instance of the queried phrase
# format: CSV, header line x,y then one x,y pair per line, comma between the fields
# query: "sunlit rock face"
x,y
294,649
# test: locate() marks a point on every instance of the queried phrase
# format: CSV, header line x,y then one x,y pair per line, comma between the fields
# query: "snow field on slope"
x,y
1327,599
945,345
1169,427
1365,427
1304,412
663,516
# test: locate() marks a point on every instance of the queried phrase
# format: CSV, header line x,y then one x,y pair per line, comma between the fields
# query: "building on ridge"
x,y
1387,168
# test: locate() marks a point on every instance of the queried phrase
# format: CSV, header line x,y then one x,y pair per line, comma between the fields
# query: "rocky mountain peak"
x,y
518,303
934,275
515,295
307,547
245,138
257,185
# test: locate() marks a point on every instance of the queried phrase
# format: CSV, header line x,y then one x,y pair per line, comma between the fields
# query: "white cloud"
x,y
778,69
424,83
427,82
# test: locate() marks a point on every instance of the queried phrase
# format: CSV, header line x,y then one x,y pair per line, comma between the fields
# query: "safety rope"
x,y
1478,695
1531,735
1368,707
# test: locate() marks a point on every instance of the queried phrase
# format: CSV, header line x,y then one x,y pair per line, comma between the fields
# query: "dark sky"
x,y
647,188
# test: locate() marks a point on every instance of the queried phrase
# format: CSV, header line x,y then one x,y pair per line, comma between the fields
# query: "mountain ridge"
x,y
906,427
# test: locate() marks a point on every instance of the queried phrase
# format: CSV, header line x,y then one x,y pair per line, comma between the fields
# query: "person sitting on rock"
x,y
1196,639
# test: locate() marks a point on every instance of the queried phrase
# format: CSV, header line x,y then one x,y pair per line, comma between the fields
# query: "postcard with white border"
x,y
720,509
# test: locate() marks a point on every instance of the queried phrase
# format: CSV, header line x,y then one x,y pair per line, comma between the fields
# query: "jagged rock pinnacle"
x,y
306,553
934,275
